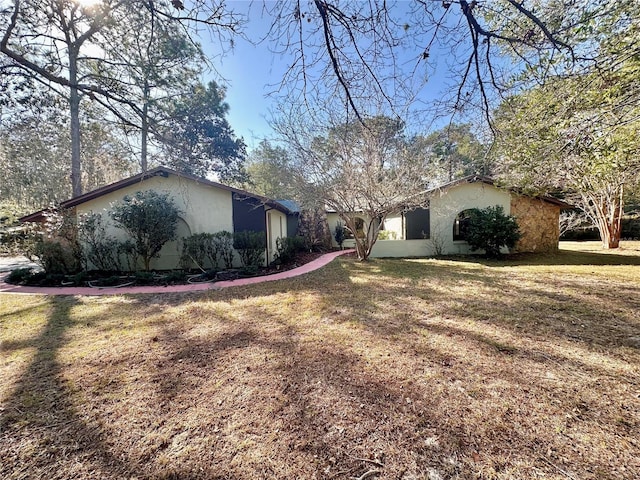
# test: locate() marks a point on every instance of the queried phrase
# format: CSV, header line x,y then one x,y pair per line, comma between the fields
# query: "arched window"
x,y
461,225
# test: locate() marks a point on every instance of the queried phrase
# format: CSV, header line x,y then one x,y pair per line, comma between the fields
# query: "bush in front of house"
x,y
101,250
20,276
54,245
313,227
339,234
250,246
151,220
214,248
196,249
287,248
223,242
490,229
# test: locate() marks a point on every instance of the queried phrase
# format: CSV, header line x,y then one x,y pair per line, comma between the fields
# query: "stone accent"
x,y
539,224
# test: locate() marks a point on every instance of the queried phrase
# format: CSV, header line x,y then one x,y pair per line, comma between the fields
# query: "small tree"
x,y
314,229
364,170
490,230
150,218
195,249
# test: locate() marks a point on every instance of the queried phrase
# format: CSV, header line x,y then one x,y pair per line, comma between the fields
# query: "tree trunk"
x,y
607,212
616,219
144,127
74,110
364,245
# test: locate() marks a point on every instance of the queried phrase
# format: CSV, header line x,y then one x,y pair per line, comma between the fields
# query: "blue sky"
x,y
250,72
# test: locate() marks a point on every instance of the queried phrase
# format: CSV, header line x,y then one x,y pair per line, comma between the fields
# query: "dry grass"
x,y
435,369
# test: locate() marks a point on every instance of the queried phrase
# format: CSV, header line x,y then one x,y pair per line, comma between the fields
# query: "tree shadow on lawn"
x,y
40,419
311,408
530,304
562,257
268,390
277,394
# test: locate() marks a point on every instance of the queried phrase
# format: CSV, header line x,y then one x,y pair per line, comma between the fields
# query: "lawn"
x,y
432,368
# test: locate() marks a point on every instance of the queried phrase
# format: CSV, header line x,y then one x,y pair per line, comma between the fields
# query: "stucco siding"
x,y
446,205
401,248
276,228
395,224
204,209
537,218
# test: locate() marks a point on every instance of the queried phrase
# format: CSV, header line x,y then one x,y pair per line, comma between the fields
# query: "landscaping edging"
x,y
306,268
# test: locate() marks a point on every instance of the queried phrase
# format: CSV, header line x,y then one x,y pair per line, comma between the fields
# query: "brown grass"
x,y
435,369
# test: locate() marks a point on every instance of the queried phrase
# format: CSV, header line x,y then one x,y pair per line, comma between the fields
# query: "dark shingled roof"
x,y
492,182
158,171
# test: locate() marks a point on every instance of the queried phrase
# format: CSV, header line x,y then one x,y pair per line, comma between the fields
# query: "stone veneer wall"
x,y
539,224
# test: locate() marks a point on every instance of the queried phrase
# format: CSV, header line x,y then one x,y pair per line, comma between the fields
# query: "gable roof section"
x,y
155,172
490,181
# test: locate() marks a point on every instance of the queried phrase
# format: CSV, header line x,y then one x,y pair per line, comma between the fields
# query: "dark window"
x,y
417,224
248,214
461,225
292,224
359,229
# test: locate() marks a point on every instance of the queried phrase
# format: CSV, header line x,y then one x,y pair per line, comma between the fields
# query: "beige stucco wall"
x,y
401,248
276,228
539,224
446,205
205,209
394,223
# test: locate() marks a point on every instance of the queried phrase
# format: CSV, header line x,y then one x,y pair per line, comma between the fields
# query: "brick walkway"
x,y
306,268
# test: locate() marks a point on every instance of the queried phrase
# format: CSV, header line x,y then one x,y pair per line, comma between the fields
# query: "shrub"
x,y
286,249
20,276
250,246
386,235
174,277
151,220
490,229
99,248
339,234
55,257
631,227
144,278
197,248
315,230
216,248
54,244
127,250
223,242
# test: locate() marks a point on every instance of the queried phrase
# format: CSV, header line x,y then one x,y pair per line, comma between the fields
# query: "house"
x,y
207,207
439,228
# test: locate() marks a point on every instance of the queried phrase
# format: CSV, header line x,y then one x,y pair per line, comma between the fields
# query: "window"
x,y
461,225
359,229
417,224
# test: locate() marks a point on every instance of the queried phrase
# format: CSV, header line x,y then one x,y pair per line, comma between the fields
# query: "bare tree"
x,y
360,169
389,50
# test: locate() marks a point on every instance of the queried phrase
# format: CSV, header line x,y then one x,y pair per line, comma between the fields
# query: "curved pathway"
x,y
306,268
